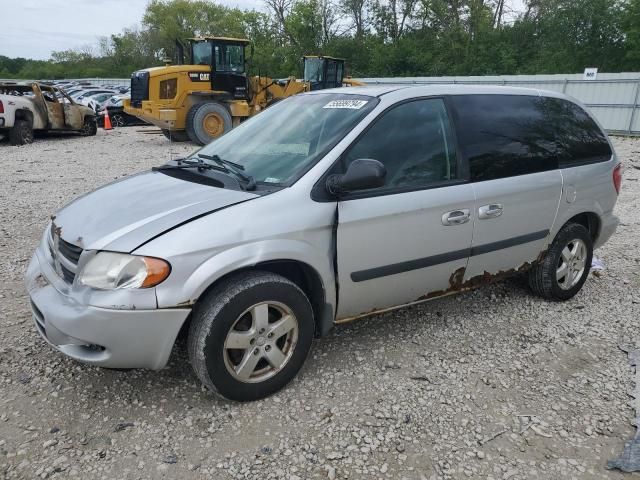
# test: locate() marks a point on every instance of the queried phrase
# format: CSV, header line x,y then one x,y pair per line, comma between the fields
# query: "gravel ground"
x,y
490,384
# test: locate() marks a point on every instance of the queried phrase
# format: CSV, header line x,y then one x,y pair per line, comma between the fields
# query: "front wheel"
x,y
250,335
89,127
207,121
566,265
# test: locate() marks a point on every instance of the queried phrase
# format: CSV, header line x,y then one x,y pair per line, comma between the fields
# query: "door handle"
x,y
492,210
456,217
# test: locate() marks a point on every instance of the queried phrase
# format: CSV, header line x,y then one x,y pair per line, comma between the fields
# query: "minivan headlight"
x,y
112,271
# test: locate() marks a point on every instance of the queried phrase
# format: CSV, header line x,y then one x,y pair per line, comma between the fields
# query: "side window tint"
x,y
505,135
579,139
413,141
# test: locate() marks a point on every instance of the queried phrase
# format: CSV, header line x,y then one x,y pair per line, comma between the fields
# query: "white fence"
x,y
612,97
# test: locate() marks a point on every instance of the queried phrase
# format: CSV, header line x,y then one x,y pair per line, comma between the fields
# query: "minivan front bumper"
x,y
115,338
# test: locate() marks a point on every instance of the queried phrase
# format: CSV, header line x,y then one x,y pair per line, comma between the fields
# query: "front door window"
x,y
415,144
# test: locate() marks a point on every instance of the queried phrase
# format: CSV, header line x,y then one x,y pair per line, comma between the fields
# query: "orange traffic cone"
x,y
107,120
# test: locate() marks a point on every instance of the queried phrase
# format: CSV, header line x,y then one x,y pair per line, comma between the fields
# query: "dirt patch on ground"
x,y
493,384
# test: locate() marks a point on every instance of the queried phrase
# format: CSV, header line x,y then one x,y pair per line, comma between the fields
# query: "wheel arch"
x,y
589,220
89,116
300,273
306,277
24,114
295,267
590,215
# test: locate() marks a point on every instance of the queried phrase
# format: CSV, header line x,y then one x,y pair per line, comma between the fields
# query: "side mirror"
x,y
361,174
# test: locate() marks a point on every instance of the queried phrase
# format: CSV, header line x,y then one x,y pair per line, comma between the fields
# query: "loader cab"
x,y
323,72
226,57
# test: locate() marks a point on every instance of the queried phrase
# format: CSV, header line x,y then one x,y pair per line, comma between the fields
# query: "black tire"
x,y
543,279
118,120
176,135
222,309
89,127
21,133
198,115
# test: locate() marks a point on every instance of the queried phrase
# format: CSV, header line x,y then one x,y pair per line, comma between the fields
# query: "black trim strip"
x,y
395,268
509,242
409,265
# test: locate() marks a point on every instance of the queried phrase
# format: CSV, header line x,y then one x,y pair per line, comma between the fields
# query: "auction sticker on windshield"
x,y
350,104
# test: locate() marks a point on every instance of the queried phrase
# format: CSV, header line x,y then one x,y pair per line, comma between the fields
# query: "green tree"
x,y
631,28
377,37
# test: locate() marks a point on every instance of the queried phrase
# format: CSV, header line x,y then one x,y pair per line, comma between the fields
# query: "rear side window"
x,y
505,135
579,140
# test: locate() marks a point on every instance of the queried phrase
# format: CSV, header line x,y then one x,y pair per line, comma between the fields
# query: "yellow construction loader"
x,y
203,100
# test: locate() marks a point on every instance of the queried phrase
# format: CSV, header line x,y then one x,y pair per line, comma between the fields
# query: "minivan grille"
x,y
139,88
65,258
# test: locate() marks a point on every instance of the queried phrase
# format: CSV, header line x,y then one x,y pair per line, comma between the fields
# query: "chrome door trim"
x,y
456,217
493,210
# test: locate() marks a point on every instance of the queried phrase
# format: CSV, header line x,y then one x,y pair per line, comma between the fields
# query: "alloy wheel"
x,y
571,264
261,342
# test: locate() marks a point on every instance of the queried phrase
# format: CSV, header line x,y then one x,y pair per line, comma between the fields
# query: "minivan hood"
x,y
124,214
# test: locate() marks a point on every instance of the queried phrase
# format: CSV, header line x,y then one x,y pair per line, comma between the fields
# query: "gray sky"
x,y
35,28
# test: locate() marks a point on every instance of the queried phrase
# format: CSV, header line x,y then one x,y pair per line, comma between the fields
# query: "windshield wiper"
x,y
217,159
200,165
232,167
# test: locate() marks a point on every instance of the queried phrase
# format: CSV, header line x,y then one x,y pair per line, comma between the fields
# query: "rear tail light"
x,y
617,178
1,107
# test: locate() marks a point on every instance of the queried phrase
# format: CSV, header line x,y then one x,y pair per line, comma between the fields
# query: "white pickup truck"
x,y
25,107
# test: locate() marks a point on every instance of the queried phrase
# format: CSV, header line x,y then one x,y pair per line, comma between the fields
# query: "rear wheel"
x,y
207,121
21,133
566,265
176,135
250,335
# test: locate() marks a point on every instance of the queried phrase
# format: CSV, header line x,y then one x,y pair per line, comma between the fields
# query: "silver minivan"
x,y
326,207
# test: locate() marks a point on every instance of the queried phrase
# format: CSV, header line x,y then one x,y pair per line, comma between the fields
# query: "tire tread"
x,y
16,134
208,308
190,123
542,274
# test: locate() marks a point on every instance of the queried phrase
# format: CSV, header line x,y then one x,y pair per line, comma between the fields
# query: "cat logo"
x,y
199,77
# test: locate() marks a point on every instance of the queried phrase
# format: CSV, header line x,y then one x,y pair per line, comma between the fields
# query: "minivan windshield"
x,y
278,145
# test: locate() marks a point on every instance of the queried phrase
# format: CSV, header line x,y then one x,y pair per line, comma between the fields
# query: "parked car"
x,y
326,207
71,92
96,101
31,106
78,96
119,118
116,100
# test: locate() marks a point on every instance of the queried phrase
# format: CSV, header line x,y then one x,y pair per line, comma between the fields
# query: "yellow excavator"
x,y
203,100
